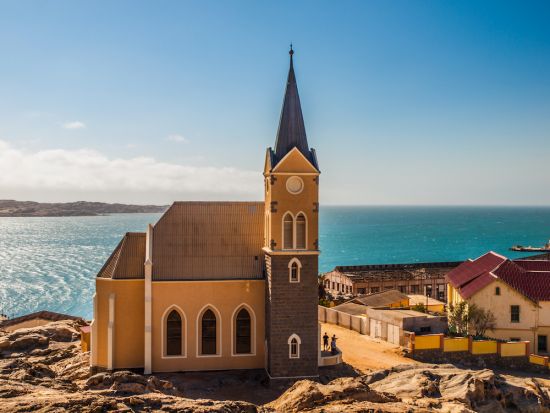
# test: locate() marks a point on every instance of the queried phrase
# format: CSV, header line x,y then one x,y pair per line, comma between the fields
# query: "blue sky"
x,y
406,102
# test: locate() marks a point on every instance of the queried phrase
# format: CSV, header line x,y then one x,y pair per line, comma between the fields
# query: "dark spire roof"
x,y
292,132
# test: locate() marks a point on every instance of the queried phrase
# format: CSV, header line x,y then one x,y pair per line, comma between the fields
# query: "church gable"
x,y
295,162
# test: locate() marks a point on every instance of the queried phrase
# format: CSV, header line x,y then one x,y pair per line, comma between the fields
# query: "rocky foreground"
x,y
43,369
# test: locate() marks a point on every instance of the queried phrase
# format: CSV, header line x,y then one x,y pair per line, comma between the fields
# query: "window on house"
x,y
333,285
243,339
288,229
542,344
426,329
403,288
294,347
514,313
208,325
414,289
497,291
515,339
173,334
294,271
361,290
301,231
374,290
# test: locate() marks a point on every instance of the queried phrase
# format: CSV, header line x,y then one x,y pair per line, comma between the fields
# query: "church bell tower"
x,y
291,244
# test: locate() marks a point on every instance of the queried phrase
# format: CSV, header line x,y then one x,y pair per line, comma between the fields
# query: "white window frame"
x,y
298,344
299,270
198,332
288,247
163,332
296,230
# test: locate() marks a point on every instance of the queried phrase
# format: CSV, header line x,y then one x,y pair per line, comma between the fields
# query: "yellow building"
x,y
221,285
516,292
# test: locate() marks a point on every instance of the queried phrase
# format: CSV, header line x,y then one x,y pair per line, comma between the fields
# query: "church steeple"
x,y
291,132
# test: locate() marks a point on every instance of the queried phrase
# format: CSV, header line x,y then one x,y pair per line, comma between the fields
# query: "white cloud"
x,y
74,125
177,138
61,174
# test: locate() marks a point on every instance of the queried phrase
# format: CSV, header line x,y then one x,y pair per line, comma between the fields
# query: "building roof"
x,y
381,299
415,299
399,314
292,131
209,240
128,258
351,308
39,315
196,241
391,272
531,278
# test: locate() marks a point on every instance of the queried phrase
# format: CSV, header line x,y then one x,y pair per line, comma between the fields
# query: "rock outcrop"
x,y
44,369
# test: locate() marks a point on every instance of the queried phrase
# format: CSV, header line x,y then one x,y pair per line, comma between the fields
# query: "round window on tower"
x,y
294,185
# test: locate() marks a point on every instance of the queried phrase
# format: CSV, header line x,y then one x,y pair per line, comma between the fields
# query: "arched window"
x,y
294,346
294,267
288,231
208,331
173,334
243,330
301,231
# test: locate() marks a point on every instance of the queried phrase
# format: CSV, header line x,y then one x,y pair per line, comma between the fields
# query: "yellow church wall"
x,y
191,297
294,164
128,342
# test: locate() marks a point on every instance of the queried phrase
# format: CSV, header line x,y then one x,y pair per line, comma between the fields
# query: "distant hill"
x,y
11,208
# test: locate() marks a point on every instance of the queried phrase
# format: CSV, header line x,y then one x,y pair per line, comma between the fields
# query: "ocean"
x,y
50,263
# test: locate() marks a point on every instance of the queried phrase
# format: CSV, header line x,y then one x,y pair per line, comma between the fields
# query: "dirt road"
x,y
365,353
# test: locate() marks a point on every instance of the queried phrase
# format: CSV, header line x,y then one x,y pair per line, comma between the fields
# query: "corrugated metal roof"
x,y
127,260
209,240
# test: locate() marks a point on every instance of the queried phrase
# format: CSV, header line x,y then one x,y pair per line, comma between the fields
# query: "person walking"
x,y
325,342
333,344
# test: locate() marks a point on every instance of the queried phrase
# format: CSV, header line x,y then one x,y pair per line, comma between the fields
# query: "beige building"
x,y
221,285
427,279
516,292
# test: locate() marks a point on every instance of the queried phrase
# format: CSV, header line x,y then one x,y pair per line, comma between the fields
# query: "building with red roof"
x,y
516,291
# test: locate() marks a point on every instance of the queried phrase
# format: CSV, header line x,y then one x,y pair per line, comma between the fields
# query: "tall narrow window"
x,y
243,339
514,313
173,334
301,231
294,270
288,229
294,346
208,325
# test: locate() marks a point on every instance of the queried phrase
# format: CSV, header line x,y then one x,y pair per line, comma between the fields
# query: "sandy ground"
x,y
364,353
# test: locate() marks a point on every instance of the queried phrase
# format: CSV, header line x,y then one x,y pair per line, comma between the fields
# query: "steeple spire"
x,y
291,132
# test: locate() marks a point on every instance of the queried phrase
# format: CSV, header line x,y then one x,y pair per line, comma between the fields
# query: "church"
x,y
222,285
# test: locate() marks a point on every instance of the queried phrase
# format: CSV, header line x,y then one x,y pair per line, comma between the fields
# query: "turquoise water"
x,y
50,263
